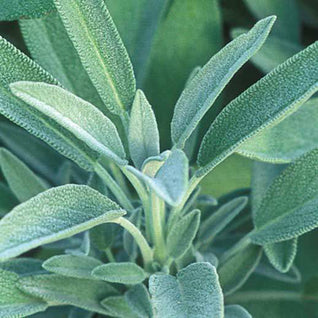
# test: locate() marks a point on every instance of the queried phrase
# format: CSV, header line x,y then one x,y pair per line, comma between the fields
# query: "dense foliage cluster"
x,y
203,206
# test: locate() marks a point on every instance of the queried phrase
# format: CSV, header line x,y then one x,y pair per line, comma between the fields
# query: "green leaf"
x,y
171,181
205,87
50,46
72,265
122,273
282,254
271,99
101,51
182,234
74,114
22,181
234,271
173,57
13,302
288,140
216,222
80,313
102,236
175,296
16,9
53,215
143,131
60,290
138,300
117,306
23,266
236,311
289,207
288,19
7,200
274,51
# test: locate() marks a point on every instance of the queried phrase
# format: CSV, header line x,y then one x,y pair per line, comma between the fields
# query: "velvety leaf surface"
x,y
289,207
22,181
143,131
23,266
205,87
72,265
123,273
56,289
101,51
13,302
53,215
117,306
271,99
195,292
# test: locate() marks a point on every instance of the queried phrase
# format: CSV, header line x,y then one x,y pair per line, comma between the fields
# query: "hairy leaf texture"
x,y
53,215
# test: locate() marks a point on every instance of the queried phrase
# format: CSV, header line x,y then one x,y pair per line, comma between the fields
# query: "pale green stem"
x,y
114,187
158,231
110,255
118,176
146,251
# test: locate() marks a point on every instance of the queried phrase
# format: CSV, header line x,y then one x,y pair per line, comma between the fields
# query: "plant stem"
x,y
110,255
241,244
114,187
157,212
146,251
118,176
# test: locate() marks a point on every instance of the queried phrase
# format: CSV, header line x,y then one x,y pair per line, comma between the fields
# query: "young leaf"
x,y
236,311
16,9
234,271
60,290
101,51
171,181
289,207
22,181
13,302
138,300
271,99
123,273
72,265
215,223
205,87
23,266
288,140
53,215
74,114
143,131
117,306
175,297
182,234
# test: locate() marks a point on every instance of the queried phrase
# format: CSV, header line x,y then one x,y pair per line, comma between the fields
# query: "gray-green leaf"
x,y
53,215
101,51
123,273
236,311
271,99
195,292
143,131
205,87
118,307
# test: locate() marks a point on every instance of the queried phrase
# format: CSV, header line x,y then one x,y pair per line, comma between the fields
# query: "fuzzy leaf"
x,y
195,292
23,266
143,131
289,207
215,223
236,311
271,99
234,271
16,9
205,87
53,215
101,51
171,181
117,306
102,236
22,181
123,273
72,265
82,293
13,302
288,140
139,301
182,234
74,114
